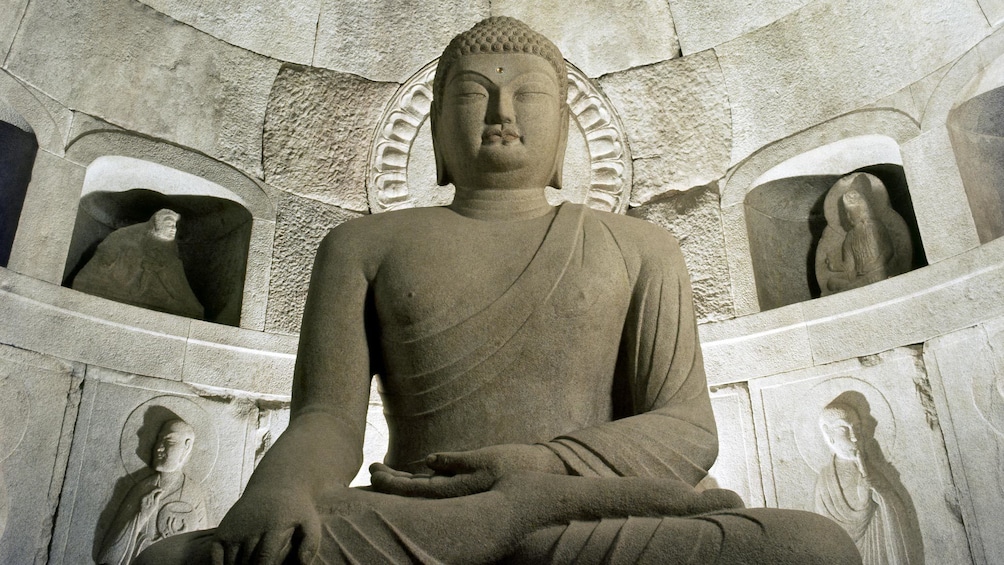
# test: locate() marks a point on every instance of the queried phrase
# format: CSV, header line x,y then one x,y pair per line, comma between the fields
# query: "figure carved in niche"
x,y
865,240
861,492
163,504
540,368
140,265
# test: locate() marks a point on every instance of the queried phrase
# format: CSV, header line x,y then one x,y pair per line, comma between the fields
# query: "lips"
x,y
505,136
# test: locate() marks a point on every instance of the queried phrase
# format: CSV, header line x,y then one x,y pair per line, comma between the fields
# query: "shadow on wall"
x,y
213,236
785,221
17,156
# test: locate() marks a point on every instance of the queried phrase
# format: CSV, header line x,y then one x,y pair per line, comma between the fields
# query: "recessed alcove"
x,y
18,147
785,217
976,129
214,229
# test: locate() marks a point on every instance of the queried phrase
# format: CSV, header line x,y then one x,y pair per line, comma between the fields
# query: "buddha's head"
x,y
173,447
841,427
499,117
164,224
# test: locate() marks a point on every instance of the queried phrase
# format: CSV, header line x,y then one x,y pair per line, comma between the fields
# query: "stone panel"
x,y
738,466
898,443
317,133
676,117
120,418
601,37
967,370
128,64
834,56
300,226
702,25
694,217
384,41
258,271
38,404
281,30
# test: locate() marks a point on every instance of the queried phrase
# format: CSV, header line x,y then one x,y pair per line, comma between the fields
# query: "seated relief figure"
x,y
855,492
161,505
865,240
139,265
540,369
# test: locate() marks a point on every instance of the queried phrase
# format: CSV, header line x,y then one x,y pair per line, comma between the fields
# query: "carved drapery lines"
x,y
609,158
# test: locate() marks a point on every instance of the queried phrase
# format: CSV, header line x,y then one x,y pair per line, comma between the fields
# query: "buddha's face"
x,y
501,121
842,437
171,451
165,228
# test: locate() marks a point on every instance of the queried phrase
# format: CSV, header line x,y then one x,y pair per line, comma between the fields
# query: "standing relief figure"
x,y
161,505
855,491
865,240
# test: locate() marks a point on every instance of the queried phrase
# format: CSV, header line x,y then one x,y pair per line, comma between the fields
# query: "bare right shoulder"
x,y
364,242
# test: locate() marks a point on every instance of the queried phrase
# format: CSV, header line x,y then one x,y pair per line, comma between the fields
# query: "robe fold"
x,y
633,406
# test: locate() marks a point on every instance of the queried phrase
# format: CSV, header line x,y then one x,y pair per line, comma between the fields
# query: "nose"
x,y
500,109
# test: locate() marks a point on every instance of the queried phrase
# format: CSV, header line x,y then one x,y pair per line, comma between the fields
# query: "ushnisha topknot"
x,y
500,34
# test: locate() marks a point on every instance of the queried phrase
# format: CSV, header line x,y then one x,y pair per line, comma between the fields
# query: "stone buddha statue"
x,y
540,369
140,265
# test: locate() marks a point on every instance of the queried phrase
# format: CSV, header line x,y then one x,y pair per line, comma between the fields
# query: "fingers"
x,y
715,499
381,468
310,542
274,547
456,462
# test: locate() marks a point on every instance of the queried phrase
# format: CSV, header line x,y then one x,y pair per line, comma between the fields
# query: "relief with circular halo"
x,y
402,171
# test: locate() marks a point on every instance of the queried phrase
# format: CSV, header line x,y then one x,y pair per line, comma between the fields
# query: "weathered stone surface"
x,y
383,42
703,25
300,226
676,116
13,10
890,393
58,321
257,274
281,30
994,10
317,132
738,465
46,226
38,403
632,33
236,359
120,416
966,373
48,119
737,246
147,73
910,308
694,217
749,347
939,197
833,56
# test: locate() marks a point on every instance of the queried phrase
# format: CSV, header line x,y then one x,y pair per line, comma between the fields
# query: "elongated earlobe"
x,y
559,156
442,175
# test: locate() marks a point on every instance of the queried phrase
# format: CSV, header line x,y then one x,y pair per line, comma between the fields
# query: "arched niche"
x,y
976,130
18,147
785,216
213,236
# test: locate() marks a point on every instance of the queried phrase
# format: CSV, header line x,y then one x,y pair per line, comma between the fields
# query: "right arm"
x,y
321,449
